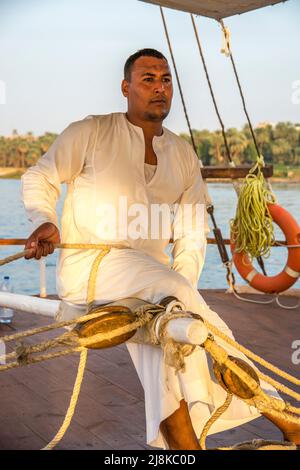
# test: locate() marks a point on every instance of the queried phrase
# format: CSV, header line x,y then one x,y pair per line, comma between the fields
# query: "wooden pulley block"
x,y
114,316
231,382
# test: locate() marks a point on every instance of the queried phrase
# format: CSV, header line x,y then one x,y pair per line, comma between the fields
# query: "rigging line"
x,y
209,207
178,80
240,87
212,94
259,259
231,162
228,153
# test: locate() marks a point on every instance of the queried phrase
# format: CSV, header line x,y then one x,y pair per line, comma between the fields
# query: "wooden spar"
x,y
226,172
210,241
188,330
238,172
30,304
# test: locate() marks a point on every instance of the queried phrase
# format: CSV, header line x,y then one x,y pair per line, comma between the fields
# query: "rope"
x,y
178,80
70,412
42,357
252,228
261,444
22,352
229,53
53,326
260,399
233,290
93,274
70,338
252,355
287,307
226,49
83,358
236,185
216,415
174,352
71,246
221,356
209,207
228,153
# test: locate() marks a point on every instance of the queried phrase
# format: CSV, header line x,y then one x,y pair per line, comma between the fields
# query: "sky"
x,y
61,60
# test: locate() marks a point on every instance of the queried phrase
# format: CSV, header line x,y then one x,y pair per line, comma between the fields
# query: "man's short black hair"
x,y
141,53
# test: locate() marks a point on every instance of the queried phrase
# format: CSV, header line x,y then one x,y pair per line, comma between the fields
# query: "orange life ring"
x,y
290,273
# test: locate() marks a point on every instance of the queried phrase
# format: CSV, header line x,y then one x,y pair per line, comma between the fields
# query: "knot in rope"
x,y
225,49
174,352
22,353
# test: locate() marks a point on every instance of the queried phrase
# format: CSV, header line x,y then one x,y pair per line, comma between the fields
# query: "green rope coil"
x,y
252,228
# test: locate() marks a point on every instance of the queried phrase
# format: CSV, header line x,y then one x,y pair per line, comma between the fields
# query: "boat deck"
x,y
110,410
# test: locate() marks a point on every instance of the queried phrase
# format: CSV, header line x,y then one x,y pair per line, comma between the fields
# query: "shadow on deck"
x,y
110,411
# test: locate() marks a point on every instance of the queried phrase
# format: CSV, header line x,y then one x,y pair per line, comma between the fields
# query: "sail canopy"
x,y
216,9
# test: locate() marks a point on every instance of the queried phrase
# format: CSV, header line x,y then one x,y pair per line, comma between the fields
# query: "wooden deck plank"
x,y
42,416
35,398
19,437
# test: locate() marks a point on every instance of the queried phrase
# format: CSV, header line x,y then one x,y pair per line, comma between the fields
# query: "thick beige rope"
x,y
250,354
216,415
174,352
61,432
85,342
260,399
53,326
70,246
143,316
83,358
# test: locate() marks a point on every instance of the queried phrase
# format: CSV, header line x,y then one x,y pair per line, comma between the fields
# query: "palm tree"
x,y
22,149
45,141
217,148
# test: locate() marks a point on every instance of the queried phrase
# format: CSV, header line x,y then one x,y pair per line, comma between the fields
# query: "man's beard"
x,y
156,117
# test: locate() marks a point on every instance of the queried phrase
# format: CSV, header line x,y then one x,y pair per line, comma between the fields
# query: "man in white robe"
x,y
117,168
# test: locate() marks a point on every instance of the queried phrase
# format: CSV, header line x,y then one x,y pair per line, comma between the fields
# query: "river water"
x,y
25,273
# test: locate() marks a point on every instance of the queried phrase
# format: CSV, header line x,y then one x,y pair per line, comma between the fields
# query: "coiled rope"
x,y
252,228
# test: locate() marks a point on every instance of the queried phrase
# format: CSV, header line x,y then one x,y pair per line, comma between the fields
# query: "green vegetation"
x,y
279,144
23,151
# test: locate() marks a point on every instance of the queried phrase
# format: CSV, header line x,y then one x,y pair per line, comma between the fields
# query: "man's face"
x,y
150,90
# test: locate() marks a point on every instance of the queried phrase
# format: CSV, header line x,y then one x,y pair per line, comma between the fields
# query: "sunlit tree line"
x,y
22,151
279,144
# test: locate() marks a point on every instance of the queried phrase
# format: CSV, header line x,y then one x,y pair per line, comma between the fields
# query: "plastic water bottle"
x,y
6,314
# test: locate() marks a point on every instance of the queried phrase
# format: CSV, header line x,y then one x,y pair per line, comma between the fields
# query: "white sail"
x,y
216,9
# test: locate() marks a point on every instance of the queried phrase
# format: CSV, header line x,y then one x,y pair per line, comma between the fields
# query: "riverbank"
x,y
11,173
16,173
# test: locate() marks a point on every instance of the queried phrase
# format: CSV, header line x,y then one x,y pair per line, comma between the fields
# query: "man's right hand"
x,y
41,241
